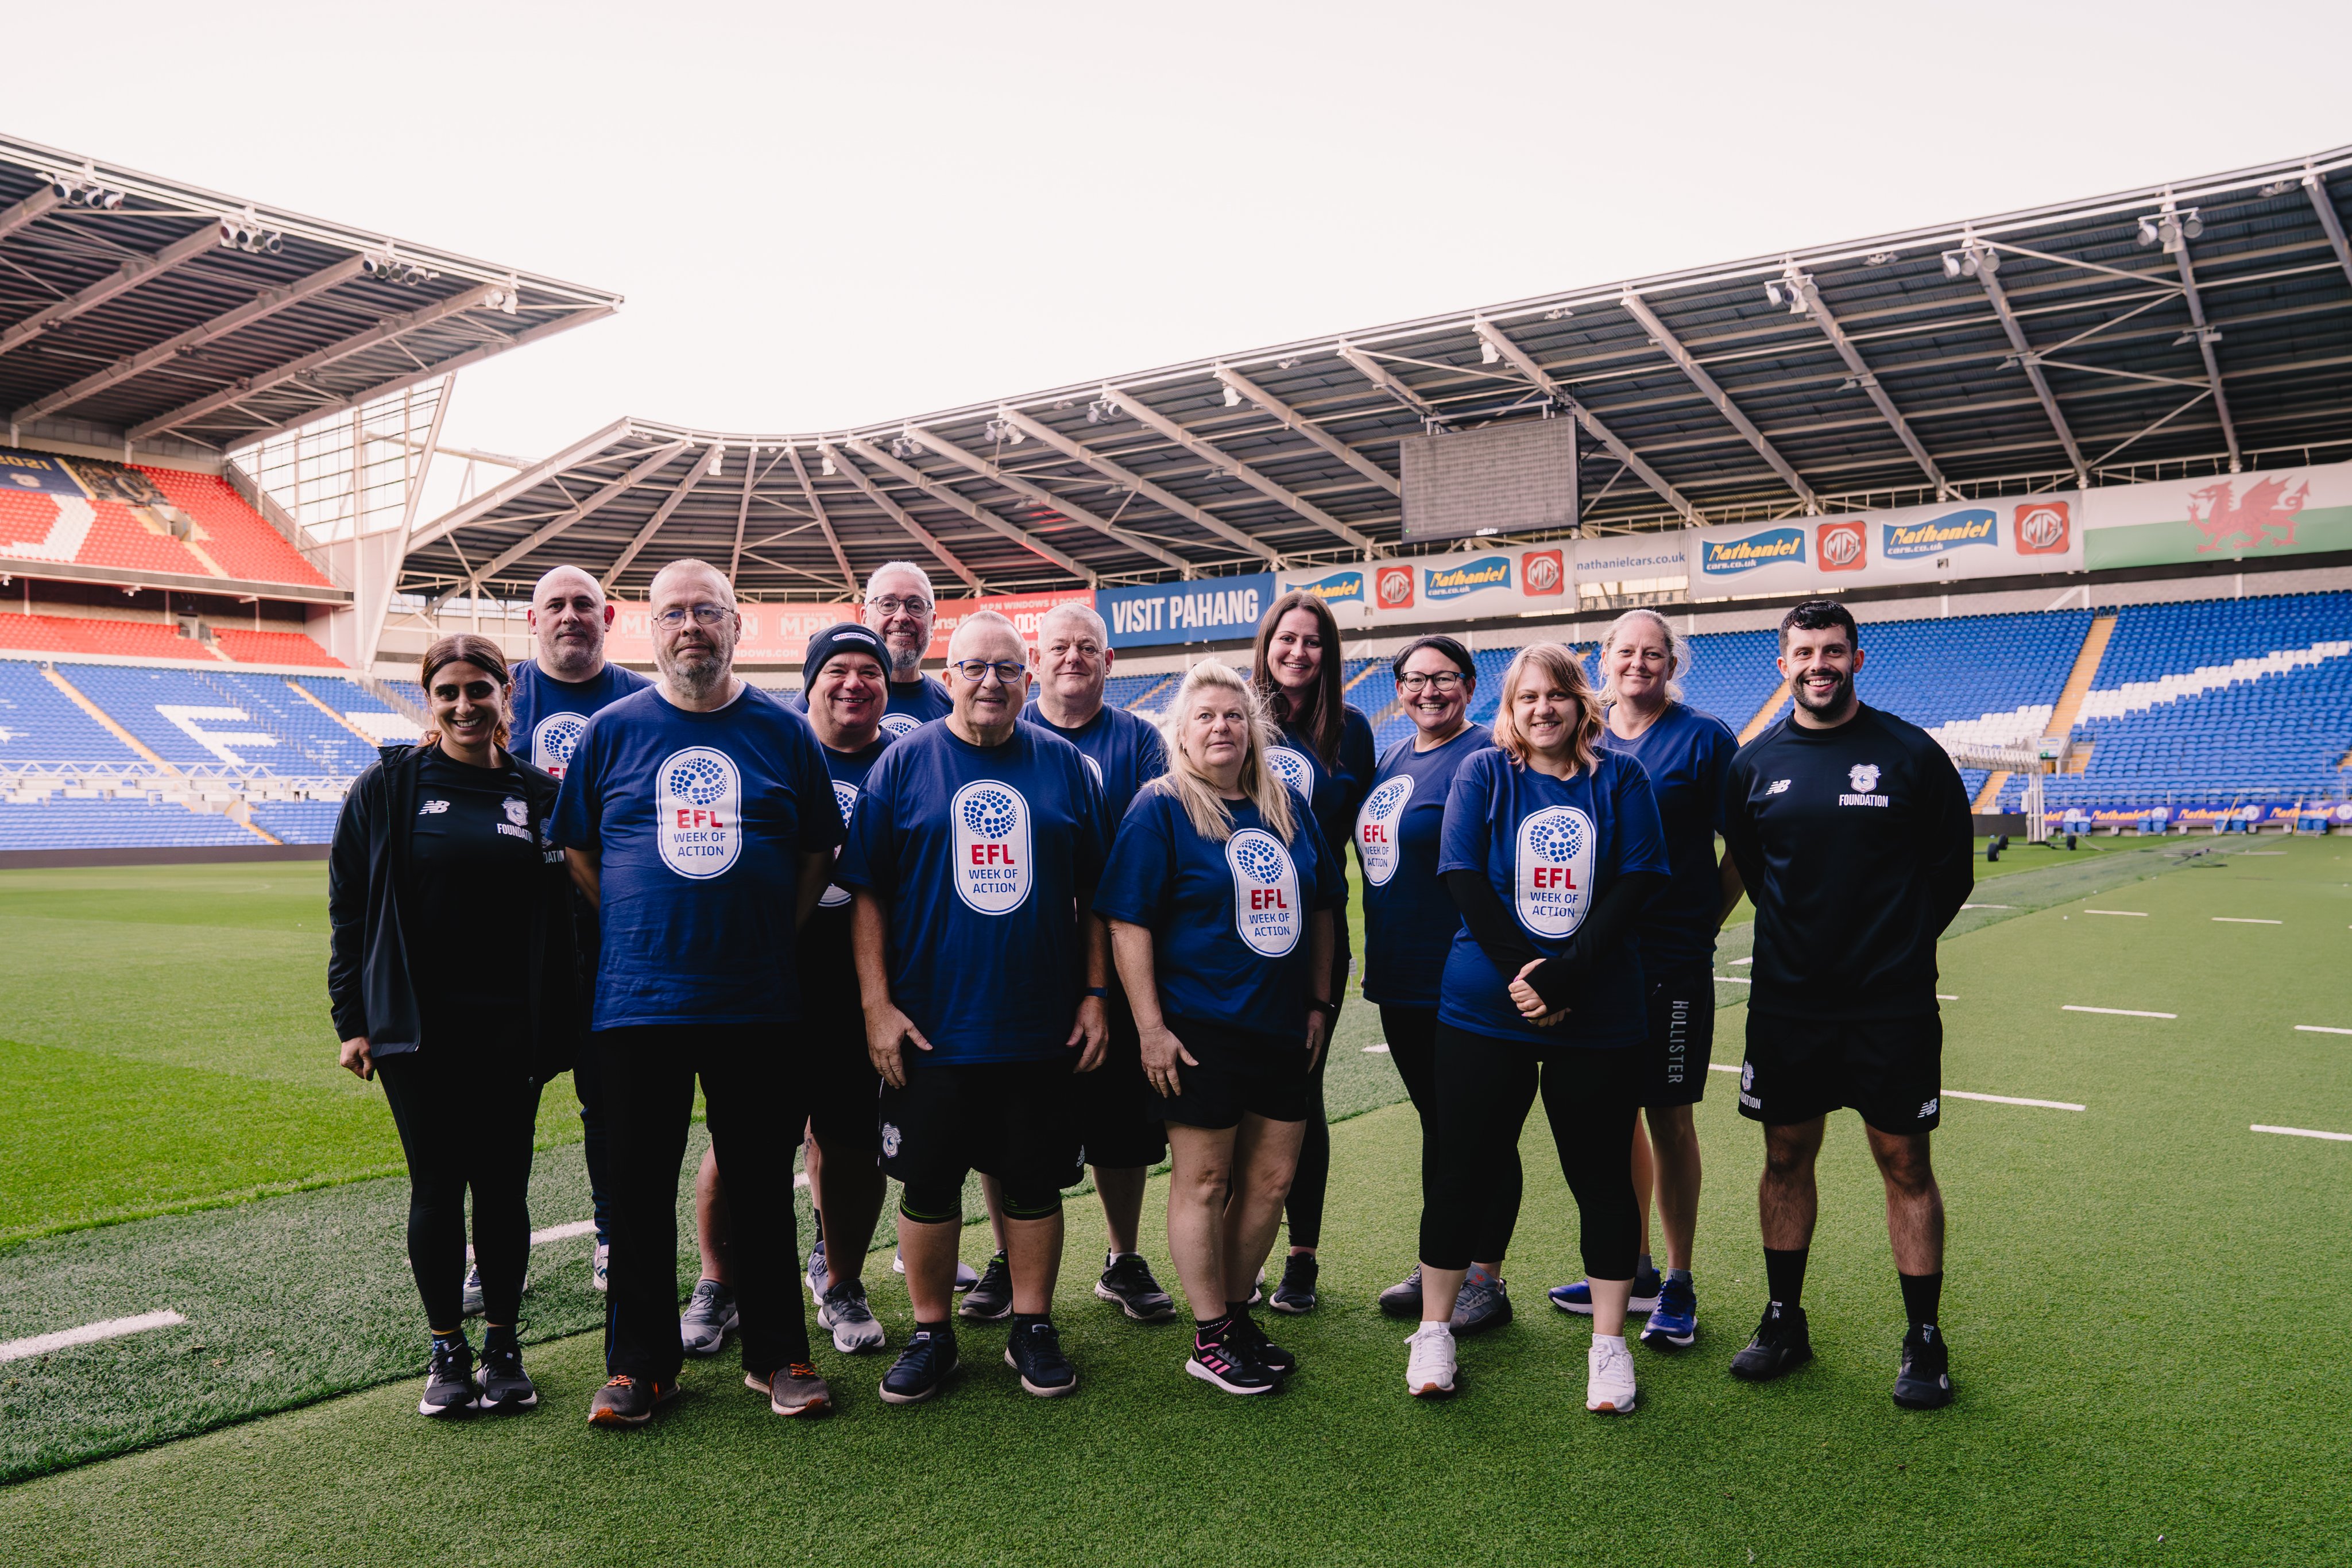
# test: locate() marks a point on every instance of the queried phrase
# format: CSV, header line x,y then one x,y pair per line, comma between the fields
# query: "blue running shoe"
x,y
1578,1298
1673,1322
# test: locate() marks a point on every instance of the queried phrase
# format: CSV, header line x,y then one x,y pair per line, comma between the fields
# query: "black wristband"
x,y
1319,1006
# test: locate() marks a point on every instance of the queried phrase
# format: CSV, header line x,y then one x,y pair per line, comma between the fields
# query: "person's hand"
x,y
1530,1002
357,1059
1161,1051
1092,1031
1319,1035
886,1028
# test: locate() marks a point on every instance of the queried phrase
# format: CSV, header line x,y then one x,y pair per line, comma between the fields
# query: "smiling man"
x,y
556,692
975,846
1851,831
901,607
699,816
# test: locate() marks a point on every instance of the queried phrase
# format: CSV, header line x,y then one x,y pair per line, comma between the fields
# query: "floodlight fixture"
x,y
1487,352
1003,432
2192,222
1102,410
717,456
2148,233
825,463
1791,289
505,296
1773,295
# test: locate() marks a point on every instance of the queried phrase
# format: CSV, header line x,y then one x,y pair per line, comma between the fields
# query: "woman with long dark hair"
x,y
1325,754
1550,847
454,974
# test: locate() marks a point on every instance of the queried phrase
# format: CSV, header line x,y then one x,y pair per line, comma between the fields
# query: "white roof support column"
x,y
898,514
1292,420
2315,185
1817,307
1140,485
2206,338
1045,498
32,207
973,509
268,302
137,270
816,509
1524,362
1639,308
1152,420
670,504
1987,261
523,483
654,463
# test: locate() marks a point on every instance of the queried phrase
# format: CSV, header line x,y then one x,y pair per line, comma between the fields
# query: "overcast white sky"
x,y
824,215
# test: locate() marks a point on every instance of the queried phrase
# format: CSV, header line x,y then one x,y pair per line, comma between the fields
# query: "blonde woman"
x,y
1687,754
1219,895
1550,846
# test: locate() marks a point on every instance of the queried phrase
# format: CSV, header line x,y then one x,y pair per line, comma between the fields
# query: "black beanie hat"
x,y
846,637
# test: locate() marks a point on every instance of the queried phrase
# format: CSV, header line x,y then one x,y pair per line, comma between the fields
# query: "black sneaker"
x,y
1035,1351
449,1380
1127,1280
1246,1337
506,1388
1402,1300
921,1368
1295,1294
1925,1382
1485,1303
990,1301
1222,1364
1781,1346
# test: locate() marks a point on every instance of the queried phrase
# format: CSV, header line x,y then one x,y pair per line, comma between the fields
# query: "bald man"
x,y
556,692
699,816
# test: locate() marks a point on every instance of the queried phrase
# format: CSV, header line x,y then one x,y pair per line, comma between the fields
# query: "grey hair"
x,y
1677,654
1082,612
902,566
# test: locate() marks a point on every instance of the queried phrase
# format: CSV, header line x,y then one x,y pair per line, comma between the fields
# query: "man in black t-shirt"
x,y
1852,832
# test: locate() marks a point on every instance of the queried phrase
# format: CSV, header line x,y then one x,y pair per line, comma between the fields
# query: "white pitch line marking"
x,y
1381,1046
2319,1029
2257,1127
2013,1099
1988,906
89,1334
1736,962
1718,1067
2243,920
1942,996
2261,851
2135,914
2118,1012
563,1232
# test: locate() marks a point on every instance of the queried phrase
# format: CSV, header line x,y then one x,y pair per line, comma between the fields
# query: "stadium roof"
x,y
136,307
2207,322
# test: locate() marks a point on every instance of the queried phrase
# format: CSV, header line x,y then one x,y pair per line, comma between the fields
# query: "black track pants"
x,y
1413,1045
466,1121
1303,1209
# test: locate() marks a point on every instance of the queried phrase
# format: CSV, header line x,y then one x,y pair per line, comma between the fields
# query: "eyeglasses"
x,y
1445,681
892,604
704,615
977,671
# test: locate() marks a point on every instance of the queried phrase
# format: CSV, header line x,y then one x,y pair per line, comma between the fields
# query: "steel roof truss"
x,y
670,504
653,464
977,513
1153,420
1525,365
1818,309
1639,308
1045,498
2030,364
840,556
2206,338
2315,185
134,272
899,515
548,471
1141,485
1297,422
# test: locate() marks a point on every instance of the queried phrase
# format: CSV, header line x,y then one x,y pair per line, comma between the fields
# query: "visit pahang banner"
x,y
2224,517
778,634
2016,536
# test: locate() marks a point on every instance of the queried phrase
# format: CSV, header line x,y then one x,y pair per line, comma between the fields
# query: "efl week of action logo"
x,y
698,792
1376,828
1555,871
554,741
991,846
1293,767
1266,913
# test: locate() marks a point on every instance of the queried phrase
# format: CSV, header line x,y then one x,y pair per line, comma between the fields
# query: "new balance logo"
x,y
1778,787
432,807
1929,1108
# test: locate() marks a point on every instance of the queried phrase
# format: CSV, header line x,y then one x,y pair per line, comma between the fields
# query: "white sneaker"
x,y
1428,1371
1609,1375
599,1265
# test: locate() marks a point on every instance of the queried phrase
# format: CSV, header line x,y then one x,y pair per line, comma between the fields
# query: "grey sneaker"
x,y
1483,1304
1127,1280
990,1300
449,1381
709,1317
818,1273
1402,1300
471,1303
843,1311
599,1265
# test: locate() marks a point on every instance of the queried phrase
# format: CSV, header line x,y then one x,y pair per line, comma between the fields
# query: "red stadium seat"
x,y
240,539
274,648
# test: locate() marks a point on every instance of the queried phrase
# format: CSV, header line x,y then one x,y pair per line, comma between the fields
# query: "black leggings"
x,y
1485,1087
1304,1208
466,1120
1412,1046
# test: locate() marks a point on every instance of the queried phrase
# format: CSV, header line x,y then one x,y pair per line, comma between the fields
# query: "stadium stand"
x,y
177,715
2213,702
273,648
320,746
1121,691
38,723
65,824
298,821
238,538
66,635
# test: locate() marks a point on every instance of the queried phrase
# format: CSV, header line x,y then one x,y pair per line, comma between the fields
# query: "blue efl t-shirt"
x,y
986,856
1409,917
549,716
1228,922
1123,752
1549,847
1335,791
826,950
1686,753
698,821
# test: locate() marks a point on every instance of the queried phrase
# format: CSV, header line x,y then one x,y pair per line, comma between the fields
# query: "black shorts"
x,y
841,1087
1682,1035
1890,1070
1015,1121
1115,1120
1239,1075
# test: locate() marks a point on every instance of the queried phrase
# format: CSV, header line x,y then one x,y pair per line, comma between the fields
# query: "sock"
x,y
1647,1266
1784,1274
1206,1329
1024,1321
1678,1275
1616,1339
501,1336
459,1338
1480,1272
1921,1293
944,1328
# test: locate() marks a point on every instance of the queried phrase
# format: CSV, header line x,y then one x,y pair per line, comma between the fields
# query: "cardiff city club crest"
x,y
1865,776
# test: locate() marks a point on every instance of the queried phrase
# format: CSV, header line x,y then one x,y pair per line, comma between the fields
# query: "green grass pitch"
x,y
2145,1299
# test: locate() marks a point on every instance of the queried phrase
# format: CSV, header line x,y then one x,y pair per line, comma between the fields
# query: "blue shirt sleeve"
x,y
869,856
821,826
1328,886
1715,771
1136,881
1462,838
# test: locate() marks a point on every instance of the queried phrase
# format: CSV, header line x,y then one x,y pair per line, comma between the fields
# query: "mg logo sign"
x,y
1393,588
2042,528
1842,546
1545,572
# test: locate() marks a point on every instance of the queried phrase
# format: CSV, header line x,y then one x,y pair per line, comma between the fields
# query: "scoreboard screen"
x,y
1506,478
